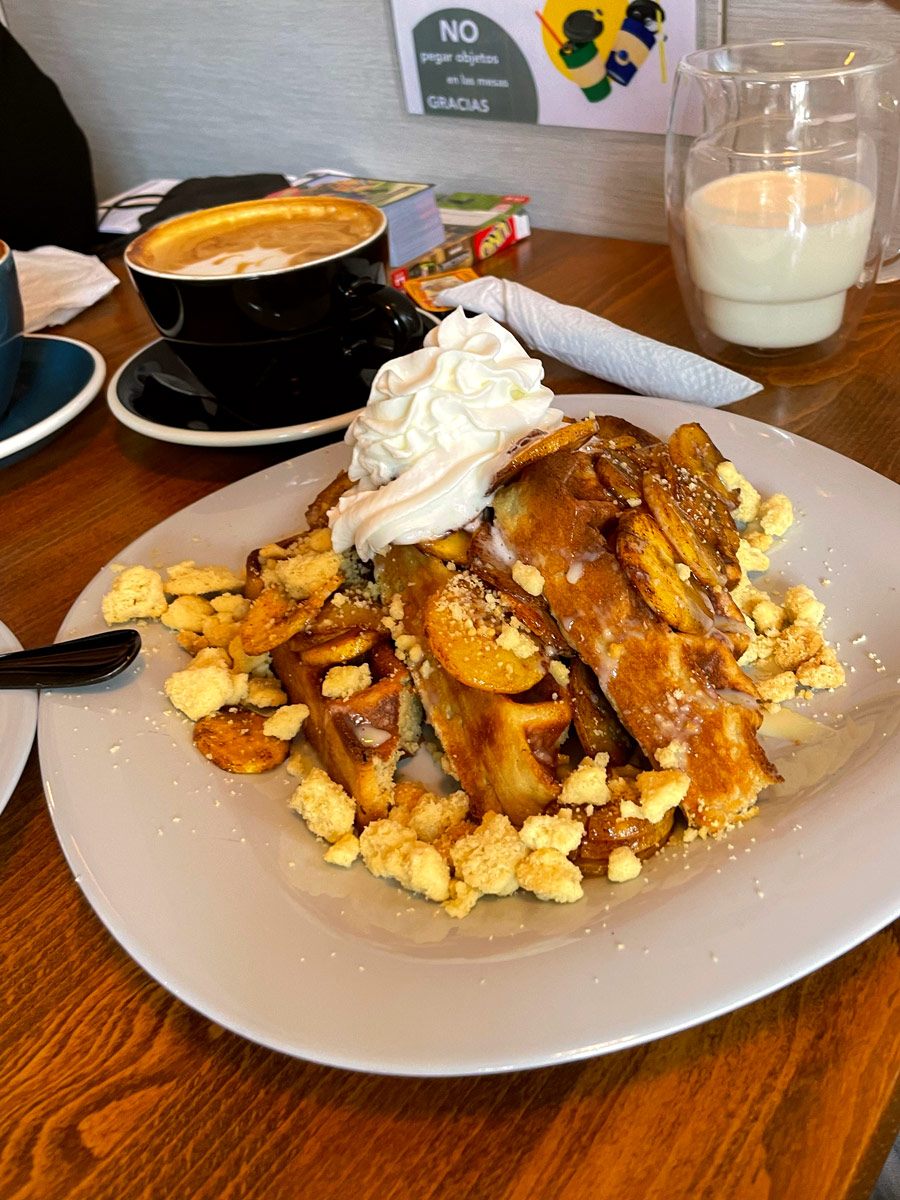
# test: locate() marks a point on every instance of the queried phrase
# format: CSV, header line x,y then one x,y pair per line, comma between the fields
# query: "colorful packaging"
x,y
423,291
477,225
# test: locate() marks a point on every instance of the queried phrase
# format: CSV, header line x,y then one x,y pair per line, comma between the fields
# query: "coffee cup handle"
x,y
402,317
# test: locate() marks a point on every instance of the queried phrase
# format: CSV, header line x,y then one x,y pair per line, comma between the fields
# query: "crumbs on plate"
x,y
560,611
341,670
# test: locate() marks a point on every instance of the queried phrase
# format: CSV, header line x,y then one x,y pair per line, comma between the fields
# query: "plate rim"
x,y
60,417
435,1065
26,703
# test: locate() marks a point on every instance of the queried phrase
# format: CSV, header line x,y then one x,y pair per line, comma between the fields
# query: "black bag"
x,y
206,192
189,196
47,193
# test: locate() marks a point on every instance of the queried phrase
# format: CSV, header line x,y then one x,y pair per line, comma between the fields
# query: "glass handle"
x,y
889,271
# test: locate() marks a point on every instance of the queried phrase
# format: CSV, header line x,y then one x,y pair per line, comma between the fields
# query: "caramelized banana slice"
x,y
598,728
452,547
646,557
233,740
622,469
317,513
351,608
345,646
274,617
486,560
606,829
692,448
704,559
704,506
611,428
707,512
567,436
465,625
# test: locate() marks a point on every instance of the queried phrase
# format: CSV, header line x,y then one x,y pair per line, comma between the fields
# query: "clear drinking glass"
x,y
781,189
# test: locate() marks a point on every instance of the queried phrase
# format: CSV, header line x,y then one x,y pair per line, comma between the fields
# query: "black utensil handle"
x,y
70,664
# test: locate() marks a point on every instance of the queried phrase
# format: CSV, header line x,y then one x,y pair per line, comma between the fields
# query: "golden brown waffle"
x,y
501,748
359,738
681,695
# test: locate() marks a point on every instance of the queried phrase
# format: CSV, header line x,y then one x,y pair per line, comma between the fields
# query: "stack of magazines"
x,y
414,223
476,225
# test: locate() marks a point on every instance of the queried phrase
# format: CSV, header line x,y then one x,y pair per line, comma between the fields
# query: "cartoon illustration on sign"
x,y
635,39
577,53
592,64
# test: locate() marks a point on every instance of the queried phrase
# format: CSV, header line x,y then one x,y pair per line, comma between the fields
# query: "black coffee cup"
x,y
276,332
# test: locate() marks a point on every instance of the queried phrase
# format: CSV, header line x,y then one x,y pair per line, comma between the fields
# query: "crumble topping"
x,y
341,683
286,722
550,875
187,579
624,864
324,805
136,593
487,857
528,578
432,845
200,691
587,784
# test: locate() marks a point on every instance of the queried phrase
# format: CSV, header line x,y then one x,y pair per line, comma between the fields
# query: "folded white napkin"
x,y
599,347
57,284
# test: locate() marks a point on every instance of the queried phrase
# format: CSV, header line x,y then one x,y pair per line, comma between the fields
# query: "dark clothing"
x,y
46,188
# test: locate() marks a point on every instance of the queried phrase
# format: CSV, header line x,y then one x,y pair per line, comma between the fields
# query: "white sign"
x,y
502,60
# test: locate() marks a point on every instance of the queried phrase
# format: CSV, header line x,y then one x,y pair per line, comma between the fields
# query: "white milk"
x,y
774,252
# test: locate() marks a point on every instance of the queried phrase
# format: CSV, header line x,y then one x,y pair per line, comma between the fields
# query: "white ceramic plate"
x,y
18,721
219,891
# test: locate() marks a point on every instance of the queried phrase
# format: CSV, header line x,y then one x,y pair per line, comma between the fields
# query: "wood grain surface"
x,y
112,1088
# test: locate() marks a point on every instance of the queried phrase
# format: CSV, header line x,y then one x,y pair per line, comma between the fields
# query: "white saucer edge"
x,y
210,438
62,416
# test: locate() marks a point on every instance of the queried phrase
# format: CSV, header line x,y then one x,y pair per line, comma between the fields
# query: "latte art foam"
x,y
254,238
294,243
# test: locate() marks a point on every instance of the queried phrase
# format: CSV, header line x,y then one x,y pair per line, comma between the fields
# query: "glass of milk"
x,y
782,163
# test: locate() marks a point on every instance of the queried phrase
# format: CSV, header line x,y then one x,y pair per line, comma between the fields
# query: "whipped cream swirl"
x,y
439,424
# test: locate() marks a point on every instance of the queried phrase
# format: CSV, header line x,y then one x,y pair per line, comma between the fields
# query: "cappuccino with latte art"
x,y
275,306
255,237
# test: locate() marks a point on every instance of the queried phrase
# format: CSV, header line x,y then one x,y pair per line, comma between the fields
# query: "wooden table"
x,y
110,1087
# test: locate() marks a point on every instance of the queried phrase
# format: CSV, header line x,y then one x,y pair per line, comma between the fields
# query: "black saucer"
x,y
156,386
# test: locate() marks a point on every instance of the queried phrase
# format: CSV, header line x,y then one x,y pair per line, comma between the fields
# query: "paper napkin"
x,y
601,348
57,284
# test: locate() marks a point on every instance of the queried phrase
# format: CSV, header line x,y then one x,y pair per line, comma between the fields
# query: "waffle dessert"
x,y
637,550
593,596
499,725
573,649
339,663
566,603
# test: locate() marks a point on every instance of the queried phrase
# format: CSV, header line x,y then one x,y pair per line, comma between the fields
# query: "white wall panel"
x,y
171,88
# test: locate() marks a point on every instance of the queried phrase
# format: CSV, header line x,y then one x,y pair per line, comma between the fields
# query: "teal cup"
x,y
11,324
